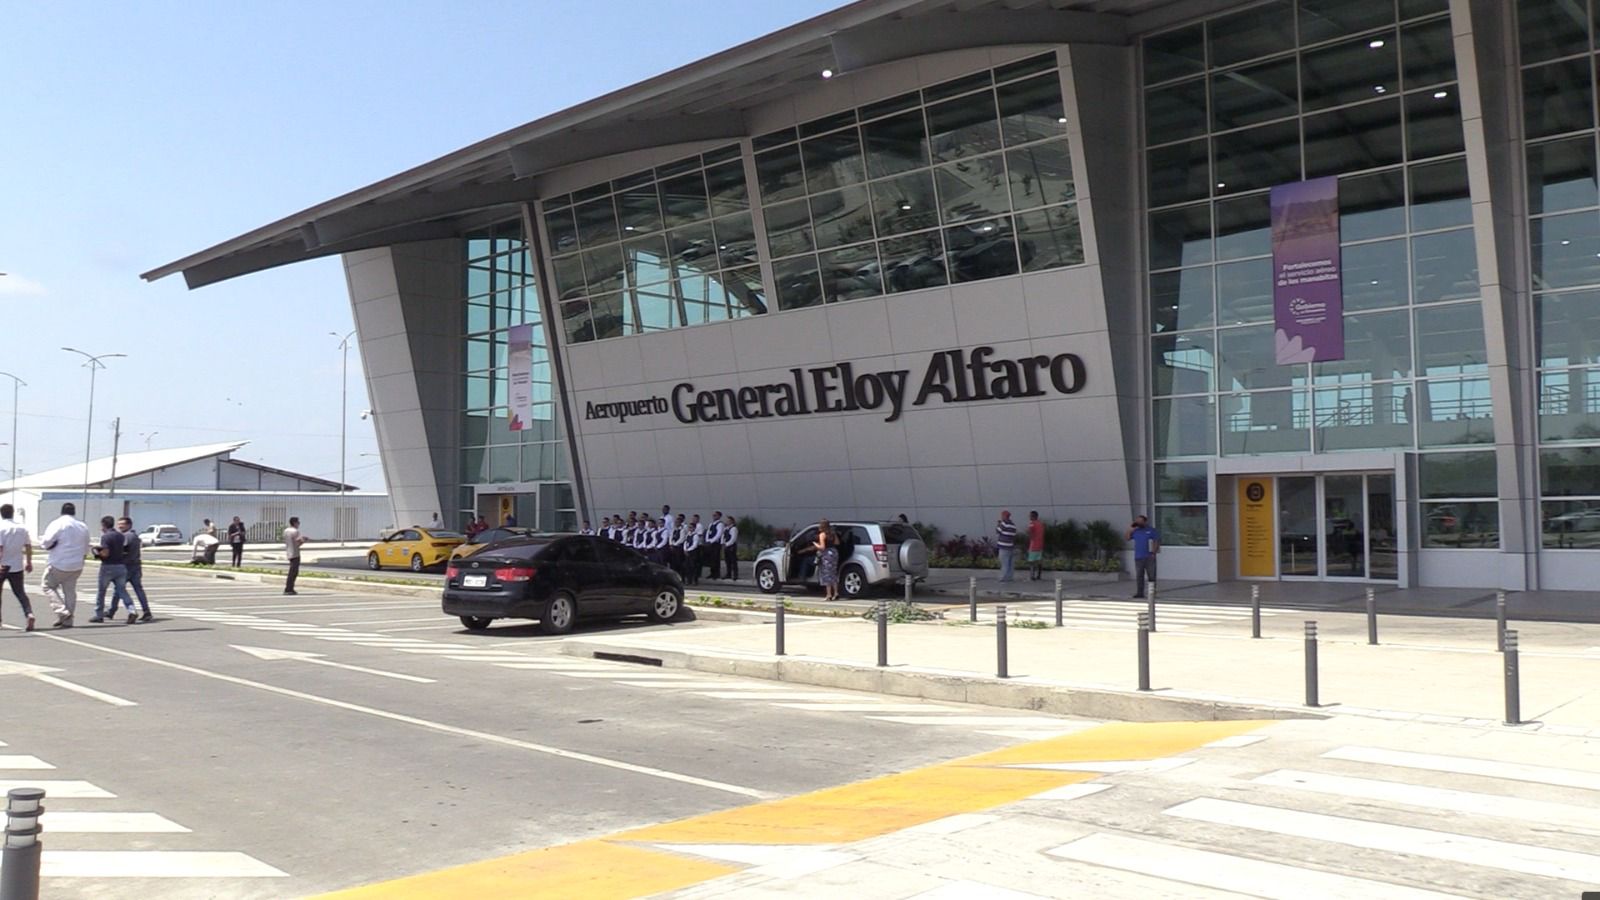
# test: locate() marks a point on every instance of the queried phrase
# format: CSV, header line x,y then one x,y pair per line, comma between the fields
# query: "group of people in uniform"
x,y
685,544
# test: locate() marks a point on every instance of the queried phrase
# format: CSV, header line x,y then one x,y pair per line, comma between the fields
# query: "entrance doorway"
x,y
1334,526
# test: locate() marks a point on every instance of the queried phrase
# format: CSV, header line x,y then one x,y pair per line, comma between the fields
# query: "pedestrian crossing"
x,y
115,830
1124,614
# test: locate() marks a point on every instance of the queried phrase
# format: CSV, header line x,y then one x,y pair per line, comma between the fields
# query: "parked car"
x,y
414,548
871,554
484,538
558,579
154,535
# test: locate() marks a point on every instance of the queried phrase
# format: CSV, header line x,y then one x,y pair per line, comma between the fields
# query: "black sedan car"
x,y
556,579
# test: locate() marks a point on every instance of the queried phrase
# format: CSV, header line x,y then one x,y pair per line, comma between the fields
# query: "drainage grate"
x,y
627,658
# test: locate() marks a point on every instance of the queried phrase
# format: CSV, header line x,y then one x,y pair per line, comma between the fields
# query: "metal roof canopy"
x,y
702,101
142,462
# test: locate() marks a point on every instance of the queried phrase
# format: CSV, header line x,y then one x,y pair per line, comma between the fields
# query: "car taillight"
x,y
442,544
882,550
514,573
451,572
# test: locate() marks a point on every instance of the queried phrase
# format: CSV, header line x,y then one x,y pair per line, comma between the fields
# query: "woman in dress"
x,y
827,547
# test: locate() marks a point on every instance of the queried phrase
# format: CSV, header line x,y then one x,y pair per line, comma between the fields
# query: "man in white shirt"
x,y
692,533
713,546
67,539
586,529
436,523
730,548
292,539
16,557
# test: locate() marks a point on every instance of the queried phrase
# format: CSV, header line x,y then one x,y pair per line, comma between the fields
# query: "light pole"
x,y
93,363
148,438
15,383
344,415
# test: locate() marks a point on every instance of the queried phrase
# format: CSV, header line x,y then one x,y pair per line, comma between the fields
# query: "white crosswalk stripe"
x,y
1121,613
1461,765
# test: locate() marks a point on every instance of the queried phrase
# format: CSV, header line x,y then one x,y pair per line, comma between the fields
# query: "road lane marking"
x,y
72,822
41,674
23,762
443,627
987,721
1226,872
153,864
1463,765
1112,766
775,695
440,727
856,707
436,618
962,889
1447,799
270,654
1458,848
1073,791
59,790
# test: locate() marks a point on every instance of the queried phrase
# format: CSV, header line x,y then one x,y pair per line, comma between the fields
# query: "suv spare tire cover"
x,y
914,557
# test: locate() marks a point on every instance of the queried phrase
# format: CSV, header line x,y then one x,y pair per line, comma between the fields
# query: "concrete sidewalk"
x,y
1195,673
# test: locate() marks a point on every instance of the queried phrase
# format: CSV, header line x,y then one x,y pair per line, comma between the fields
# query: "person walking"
x,y
1035,545
827,549
1146,544
730,547
67,541
133,558
236,533
1005,541
112,553
292,539
16,558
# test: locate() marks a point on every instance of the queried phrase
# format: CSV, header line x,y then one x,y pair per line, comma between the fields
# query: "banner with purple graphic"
x,y
519,359
1307,292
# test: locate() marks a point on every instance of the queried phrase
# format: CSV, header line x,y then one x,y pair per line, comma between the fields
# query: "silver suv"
x,y
870,554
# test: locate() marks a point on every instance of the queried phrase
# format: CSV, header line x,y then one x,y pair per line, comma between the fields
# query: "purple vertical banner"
x,y
1307,291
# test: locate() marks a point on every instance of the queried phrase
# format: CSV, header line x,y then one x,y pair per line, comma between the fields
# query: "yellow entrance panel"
x,y
1256,532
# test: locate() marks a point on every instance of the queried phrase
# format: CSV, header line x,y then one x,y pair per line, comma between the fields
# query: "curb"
x,y
935,684
374,587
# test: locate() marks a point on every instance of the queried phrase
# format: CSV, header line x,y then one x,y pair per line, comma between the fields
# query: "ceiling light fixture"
x,y
1376,43
1379,88
827,73
1440,95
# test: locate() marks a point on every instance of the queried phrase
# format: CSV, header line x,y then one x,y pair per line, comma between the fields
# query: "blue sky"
x,y
132,134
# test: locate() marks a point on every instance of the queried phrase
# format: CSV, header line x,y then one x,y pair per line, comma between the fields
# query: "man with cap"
x,y
1005,542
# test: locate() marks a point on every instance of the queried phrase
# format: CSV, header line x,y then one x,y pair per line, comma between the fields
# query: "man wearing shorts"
x,y
1035,546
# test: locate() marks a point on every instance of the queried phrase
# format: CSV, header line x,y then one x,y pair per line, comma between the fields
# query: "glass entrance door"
x,y
1337,526
1344,526
1297,527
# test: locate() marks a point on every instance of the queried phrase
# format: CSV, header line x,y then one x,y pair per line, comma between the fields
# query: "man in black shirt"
x,y
112,554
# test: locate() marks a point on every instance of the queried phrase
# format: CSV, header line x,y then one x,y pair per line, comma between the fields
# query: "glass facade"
x,y
1277,93
1556,40
961,181
501,290
661,248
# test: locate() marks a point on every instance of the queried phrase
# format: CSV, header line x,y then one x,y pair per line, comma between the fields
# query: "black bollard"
x,y
883,633
972,599
1513,681
1311,664
1255,610
1500,621
1150,603
1058,603
1372,616
19,861
779,611
1144,651
908,590
1001,669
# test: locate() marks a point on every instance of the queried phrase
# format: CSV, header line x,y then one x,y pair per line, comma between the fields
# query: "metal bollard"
x,y
1144,651
1150,603
908,590
1001,669
19,861
1372,616
1513,681
779,610
883,632
1058,603
1311,664
1255,610
972,599
1500,621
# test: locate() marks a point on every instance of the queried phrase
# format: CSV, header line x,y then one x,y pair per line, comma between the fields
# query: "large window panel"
x,y
1350,72
1185,426
1244,226
684,200
1251,95
1244,292
972,189
1569,328
1570,471
726,185
736,240
1565,249
603,269
1561,175
693,249
1265,422
963,127
597,222
1461,525
747,296
1178,173
1372,206
913,262
1181,300
1557,98
1363,416
1427,53
789,228
904,203
1180,237
1377,347
1454,412
1255,32
1182,482
1040,174
1031,109
1550,29
1174,54
1321,20
780,174
1444,266
1184,526
833,160
1450,340
1257,158
1452,475
1248,361
1433,123
1183,363
841,217
1353,138
1569,405
1571,524
979,250
569,275
1049,238
797,282
639,211
1174,112
851,273
896,144
1375,275
1439,195
563,231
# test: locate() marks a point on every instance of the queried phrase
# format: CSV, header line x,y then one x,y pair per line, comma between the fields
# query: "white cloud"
x,y
14,285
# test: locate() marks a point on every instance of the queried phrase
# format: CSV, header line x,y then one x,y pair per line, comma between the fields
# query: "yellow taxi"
x,y
413,548
476,542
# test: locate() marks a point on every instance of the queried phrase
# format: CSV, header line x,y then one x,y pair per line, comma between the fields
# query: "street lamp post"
x,y
344,415
15,383
93,363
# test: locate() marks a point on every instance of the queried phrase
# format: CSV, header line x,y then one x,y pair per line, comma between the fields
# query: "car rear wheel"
x,y
476,623
416,562
767,577
853,581
372,561
666,606
560,616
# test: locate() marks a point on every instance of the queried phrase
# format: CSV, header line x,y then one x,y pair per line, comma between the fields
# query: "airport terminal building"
x,y
1314,282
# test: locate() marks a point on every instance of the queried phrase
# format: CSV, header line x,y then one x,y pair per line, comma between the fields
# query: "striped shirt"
x,y
1005,534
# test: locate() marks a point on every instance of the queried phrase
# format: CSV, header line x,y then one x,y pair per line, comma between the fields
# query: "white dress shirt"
x,y
67,539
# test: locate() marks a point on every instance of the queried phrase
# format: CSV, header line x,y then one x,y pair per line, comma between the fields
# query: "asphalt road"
x,y
337,738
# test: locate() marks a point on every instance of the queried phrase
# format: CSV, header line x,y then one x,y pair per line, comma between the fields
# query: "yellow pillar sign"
x,y
1256,558
507,507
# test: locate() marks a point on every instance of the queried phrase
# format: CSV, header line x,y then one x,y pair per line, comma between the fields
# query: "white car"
x,y
154,535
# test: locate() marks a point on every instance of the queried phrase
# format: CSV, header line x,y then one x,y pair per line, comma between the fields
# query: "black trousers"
x,y
294,572
238,554
730,560
713,557
15,579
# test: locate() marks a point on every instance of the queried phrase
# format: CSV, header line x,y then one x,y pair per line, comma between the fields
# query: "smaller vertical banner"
x,y
1256,559
1307,289
519,361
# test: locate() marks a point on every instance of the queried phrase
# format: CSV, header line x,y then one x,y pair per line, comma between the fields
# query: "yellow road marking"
x,y
1116,741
